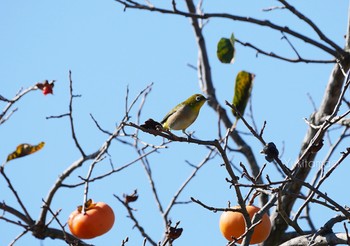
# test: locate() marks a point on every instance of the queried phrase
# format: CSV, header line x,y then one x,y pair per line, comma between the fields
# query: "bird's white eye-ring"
x,y
198,98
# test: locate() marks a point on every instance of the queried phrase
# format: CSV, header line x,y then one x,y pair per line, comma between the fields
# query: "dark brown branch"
x,y
16,213
77,144
330,171
28,219
5,99
147,168
263,186
285,216
323,202
173,201
266,23
124,241
54,215
308,218
114,170
273,55
214,209
57,116
136,223
40,231
99,127
312,25
59,234
273,8
347,233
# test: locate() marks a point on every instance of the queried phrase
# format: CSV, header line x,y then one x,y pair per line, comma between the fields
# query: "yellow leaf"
x,y
243,88
24,149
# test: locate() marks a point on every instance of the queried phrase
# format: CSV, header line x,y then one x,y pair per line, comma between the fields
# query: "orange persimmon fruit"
x,y
96,221
232,225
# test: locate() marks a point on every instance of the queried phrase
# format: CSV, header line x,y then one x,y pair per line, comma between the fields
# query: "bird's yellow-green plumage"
x,y
184,114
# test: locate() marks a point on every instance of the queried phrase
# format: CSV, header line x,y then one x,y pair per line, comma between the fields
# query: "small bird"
x,y
184,114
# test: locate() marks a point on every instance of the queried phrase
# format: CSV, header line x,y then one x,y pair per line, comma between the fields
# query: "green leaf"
x,y
226,49
243,88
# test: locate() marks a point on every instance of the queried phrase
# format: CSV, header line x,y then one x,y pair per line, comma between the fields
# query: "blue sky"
x,y
107,50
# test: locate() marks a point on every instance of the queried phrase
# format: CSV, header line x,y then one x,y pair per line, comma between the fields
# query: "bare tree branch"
x,y
19,200
209,156
266,23
273,55
77,144
312,25
137,224
11,102
15,212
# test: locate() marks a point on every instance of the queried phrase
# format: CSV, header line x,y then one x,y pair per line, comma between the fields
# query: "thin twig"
x,y
137,224
319,172
312,25
29,219
77,144
11,102
173,201
114,170
273,55
291,45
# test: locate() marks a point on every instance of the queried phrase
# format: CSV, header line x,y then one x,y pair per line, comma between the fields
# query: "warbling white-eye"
x,y
184,114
